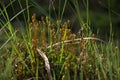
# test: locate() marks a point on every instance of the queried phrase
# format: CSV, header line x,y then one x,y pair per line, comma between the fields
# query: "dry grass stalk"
x,y
76,41
47,65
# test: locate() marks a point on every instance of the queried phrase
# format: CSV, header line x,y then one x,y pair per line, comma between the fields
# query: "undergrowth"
x,y
49,50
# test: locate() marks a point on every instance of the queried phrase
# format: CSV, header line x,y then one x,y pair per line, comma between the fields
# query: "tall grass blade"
x,y
8,39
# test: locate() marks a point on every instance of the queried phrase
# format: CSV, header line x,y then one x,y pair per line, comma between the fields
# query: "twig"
x,y
47,65
76,41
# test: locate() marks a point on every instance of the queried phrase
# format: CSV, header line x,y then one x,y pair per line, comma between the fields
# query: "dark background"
x,y
98,14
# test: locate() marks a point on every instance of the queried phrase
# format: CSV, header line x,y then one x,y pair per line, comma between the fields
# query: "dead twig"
x,y
75,41
47,65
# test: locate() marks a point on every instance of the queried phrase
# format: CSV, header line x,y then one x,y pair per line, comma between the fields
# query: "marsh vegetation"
x,y
45,45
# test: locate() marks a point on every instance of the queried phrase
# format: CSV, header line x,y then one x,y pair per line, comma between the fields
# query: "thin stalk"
x,y
110,20
78,13
76,41
8,40
12,19
63,9
62,49
59,9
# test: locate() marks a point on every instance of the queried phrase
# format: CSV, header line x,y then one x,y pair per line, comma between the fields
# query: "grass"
x,y
48,49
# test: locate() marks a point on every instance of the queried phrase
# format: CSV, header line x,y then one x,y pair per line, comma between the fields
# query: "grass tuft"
x,y
49,50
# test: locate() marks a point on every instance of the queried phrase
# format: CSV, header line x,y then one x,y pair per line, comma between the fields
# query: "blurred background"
x,y
98,10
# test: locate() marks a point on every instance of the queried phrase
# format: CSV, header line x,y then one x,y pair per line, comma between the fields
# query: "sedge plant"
x,y
50,50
